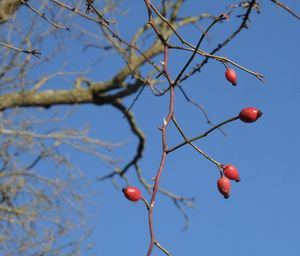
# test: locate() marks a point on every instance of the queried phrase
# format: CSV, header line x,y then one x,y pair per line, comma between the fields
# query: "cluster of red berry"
x,y
230,172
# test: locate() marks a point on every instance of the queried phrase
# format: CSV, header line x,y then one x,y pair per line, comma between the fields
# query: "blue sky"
x,y
262,215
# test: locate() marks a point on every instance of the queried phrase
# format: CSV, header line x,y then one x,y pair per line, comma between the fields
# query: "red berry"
x,y
132,193
231,76
231,172
224,186
249,115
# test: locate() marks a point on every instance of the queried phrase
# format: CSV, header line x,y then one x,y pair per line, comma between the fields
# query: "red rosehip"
x,y
224,186
231,172
132,193
249,115
231,76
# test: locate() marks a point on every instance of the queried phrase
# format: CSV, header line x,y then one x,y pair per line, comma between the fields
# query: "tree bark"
x,y
8,8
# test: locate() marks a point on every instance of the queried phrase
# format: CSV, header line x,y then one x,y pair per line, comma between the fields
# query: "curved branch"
x,y
136,131
285,7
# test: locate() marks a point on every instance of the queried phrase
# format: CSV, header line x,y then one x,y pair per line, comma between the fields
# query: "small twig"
x,y
202,135
43,16
88,4
90,7
135,99
185,216
163,249
136,131
74,10
33,52
285,7
141,145
199,107
218,164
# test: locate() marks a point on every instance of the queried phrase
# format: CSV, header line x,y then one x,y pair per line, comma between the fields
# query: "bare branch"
x,y
285,7
33,52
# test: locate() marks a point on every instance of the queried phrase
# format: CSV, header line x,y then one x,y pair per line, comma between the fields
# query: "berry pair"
x,y
230,172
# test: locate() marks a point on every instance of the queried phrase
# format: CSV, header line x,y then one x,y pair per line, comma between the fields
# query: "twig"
x,y
33,52
135,99
199,107
219,165
43,16
202,135
136,131
74,10
285,7
163,249
90,6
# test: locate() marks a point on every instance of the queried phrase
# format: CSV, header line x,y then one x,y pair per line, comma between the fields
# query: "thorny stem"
x,y
163,128
164,154
219,165
170,116
202,135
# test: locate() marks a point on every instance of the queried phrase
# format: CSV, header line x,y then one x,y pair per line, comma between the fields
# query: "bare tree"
x,y
35,206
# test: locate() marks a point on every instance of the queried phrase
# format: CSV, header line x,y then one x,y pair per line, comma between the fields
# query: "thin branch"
x,y
285,7
90,6
220,59
163,249
136,98
199,107
43,16
136,131
74,10
33,52
218,164
202,135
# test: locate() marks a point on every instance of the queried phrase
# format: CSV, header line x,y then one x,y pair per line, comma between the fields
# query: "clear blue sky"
x,y
262,215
